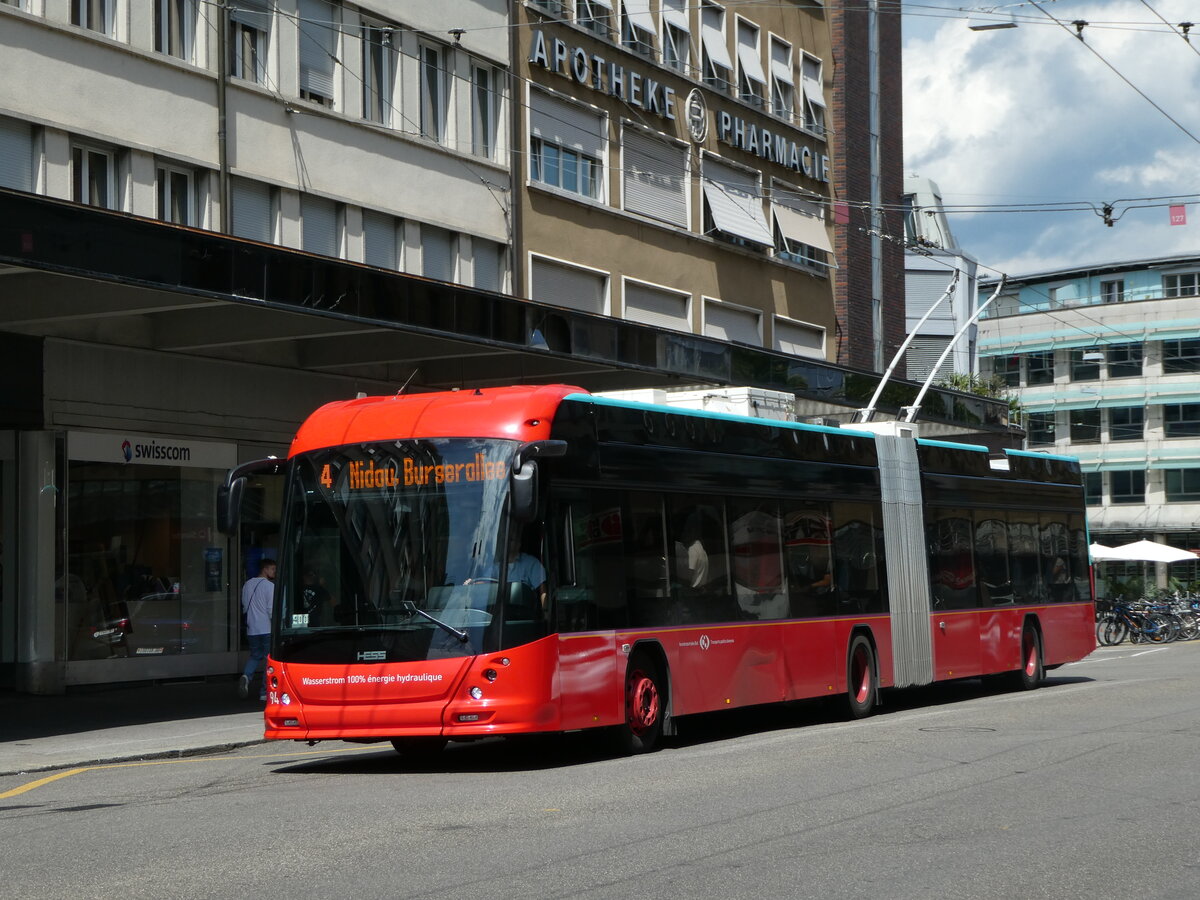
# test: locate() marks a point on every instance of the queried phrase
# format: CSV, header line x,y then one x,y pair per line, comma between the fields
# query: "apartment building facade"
x,y
1106,363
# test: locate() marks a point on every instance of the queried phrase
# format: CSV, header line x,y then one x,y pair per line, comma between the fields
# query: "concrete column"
x,y
41,657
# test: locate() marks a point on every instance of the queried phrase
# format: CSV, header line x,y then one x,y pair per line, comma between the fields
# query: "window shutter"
x,y
655,178
729,323
922,354
16,155
251,214
654,306
567,124
254,13
319,225
565,285
379,239
489,263
799,339
437,253
318,45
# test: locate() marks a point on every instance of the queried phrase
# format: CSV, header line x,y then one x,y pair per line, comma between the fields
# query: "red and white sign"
x,y
1179,215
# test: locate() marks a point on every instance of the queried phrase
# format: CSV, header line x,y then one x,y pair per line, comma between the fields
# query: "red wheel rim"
x,y
1030,654
860,676
641,701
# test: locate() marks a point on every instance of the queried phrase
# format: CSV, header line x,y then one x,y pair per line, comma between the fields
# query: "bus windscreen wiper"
x,y
409,607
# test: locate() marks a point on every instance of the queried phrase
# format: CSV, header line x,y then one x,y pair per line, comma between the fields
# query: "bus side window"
x,y
858,566
1023,557
991,558
755,539
808,547
1054,545
649,594
698,561
590,590
951,559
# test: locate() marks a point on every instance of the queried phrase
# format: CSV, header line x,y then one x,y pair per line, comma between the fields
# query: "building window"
x,y
1181,419
433,92
95,15
175,27
637,27
1126,423
716,65
1183,485
438,253
1085,426
733,206
1127,487
1007,369
1039,367
654,177
727,322
1181,356
176,195
1093,488
320,230
564,285
657,306
379,73
16,154
595,16
800,234
1185,284
783,84
1085,365
554,7
814,94
1112,291
485,111
752,82
382,239
249,30
1124,360
253,210
566,146
797,338
676,35
318,25
94,176
1040,427
488,263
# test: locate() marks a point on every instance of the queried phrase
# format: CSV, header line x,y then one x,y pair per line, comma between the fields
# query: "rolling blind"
x,y
319,232
735,203
655,178
379,239
437,253
318,47
799,339
729,323
250,216
566,124
654,306
16,155
565,285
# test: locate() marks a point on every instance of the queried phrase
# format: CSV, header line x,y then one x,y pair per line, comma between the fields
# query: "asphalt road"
x,y
1084,788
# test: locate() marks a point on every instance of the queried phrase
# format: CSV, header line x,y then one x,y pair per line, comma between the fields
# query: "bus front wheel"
x,y
645,704
1032,670
861,686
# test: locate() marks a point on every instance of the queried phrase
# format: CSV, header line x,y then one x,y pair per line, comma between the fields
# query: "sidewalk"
x,y
118,724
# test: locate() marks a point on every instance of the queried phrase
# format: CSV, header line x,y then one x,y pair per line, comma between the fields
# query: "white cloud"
x,y
1031,115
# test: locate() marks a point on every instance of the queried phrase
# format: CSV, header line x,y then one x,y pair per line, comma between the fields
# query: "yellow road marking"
x,y
168,762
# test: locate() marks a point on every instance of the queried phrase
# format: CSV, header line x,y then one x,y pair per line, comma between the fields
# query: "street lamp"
x,y
991,21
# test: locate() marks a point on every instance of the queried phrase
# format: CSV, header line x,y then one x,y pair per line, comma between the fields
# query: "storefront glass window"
x,y
146,568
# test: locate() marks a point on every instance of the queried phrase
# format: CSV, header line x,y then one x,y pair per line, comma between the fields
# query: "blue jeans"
x,y
260,644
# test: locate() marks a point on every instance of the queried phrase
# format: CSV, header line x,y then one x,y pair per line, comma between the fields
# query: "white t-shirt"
x,y
258,596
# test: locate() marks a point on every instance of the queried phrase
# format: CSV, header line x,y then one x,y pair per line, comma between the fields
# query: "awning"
x,y
677,16
782,71
751,64
737,212
801,221
638,12
714,46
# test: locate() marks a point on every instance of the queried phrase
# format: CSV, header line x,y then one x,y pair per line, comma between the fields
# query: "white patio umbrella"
x,y
1152,551
1100,553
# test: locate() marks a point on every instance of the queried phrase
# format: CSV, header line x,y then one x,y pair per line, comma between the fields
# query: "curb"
x,y
225,747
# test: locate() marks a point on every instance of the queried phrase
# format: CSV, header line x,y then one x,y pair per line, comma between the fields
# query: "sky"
x,y
1029,115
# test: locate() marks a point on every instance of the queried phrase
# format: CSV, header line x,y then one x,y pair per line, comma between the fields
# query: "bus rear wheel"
x,y
645,704
861,686
1032,670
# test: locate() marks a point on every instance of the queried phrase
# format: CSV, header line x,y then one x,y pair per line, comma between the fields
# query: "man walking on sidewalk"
x,y
258,597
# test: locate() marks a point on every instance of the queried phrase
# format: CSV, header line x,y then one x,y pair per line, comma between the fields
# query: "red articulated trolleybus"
x,y
538,559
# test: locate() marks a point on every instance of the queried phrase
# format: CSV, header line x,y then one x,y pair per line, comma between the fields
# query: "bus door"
x,y
955,616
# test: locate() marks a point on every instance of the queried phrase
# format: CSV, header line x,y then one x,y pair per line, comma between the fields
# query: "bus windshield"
x,y
393,551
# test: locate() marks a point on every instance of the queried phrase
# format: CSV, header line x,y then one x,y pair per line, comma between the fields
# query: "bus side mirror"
x,y
524,479
524,492
229,494
229,506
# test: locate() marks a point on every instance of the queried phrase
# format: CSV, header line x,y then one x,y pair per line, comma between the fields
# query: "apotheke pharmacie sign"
x,y
646,93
